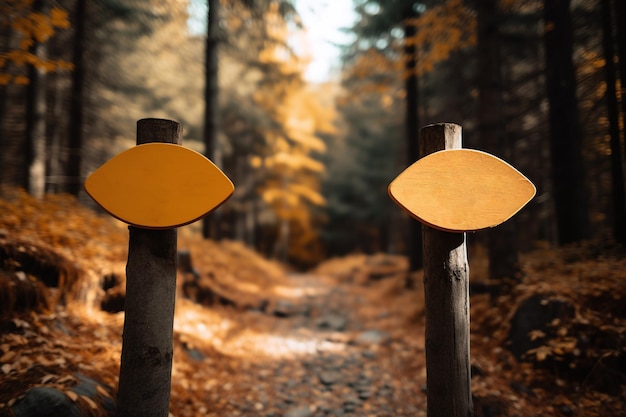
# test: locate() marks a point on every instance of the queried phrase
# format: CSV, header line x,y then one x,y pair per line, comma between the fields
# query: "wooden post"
x,y
446,290
452,191
146,365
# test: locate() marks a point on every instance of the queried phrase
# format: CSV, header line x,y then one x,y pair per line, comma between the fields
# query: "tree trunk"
x,y
73,183
211,107
251,223
6,39
620,29
281,247
35,174
501,241
412,130
55,165
566,143
617,175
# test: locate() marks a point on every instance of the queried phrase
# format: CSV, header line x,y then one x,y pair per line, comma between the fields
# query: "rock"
x,y
336,322
365,394
387,390
89,388
45,402
195,354
284,308
329,377
303,411
362,385
372,337
351,404
535,313
369,354
260,307
50,402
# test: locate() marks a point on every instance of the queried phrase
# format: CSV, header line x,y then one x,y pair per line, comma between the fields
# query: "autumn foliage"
x,y
569,361
29,27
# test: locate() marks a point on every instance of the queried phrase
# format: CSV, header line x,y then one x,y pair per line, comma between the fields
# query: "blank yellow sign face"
x,y
461,190
159,185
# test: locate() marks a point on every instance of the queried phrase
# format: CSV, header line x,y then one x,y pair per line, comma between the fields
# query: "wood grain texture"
x,y
461,190
159,185
446,296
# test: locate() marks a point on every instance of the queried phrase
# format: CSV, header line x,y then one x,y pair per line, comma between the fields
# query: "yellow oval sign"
x,y
159,185
460,190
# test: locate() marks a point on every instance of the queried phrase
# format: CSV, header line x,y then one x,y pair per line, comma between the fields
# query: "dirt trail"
x,y
331,349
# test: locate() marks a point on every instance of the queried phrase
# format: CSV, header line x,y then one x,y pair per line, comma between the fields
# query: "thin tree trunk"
x,y
281,247
412,130
566,143
73,183
55,166
620,29
251,223
6,38
501,241
211,110
617,175
36,120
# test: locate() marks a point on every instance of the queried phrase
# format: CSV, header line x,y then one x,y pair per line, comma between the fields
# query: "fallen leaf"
x,y
71,395
47,378
90,402
66,378
8,356
102,391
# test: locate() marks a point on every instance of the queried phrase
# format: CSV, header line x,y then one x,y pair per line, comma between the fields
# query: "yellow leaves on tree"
x,y
373,62
287,170
442,30
29,27
292,188
374,73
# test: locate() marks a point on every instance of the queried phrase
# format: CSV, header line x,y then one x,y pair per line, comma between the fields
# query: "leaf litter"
x,y
269,342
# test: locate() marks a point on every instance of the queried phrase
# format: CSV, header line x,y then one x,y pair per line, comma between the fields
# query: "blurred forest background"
x,y
538,83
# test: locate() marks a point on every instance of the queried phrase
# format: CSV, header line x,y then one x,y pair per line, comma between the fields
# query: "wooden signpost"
x,y
453,191
155,188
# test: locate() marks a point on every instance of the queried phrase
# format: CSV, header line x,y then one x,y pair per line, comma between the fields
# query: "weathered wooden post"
x,y
453,191
155,187
146,364
446,297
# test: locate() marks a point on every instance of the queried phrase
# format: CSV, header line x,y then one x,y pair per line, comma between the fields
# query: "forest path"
x,y
328,348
